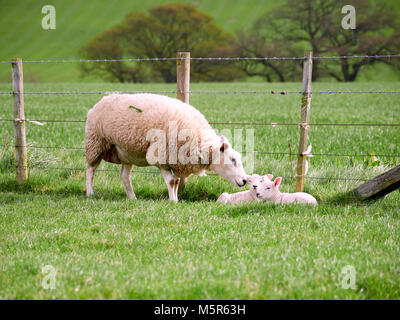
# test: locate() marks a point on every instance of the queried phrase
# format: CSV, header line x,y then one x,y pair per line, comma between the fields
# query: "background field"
x,y
110,247
78,22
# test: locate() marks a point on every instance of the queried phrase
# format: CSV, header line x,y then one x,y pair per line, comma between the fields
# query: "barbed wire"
x,y
226,92
244,152
208,174
208,59
266,124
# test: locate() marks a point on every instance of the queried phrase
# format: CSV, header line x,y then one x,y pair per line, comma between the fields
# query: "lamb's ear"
x,y
269,176
277,181
224,144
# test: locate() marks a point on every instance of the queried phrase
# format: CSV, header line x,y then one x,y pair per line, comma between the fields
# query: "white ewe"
x,y
269,190
248,195
149,129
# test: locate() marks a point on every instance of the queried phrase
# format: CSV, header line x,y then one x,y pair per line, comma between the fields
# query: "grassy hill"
x,y
79,21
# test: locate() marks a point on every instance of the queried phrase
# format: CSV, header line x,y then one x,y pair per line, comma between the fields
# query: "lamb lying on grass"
x,y
269,190
248,195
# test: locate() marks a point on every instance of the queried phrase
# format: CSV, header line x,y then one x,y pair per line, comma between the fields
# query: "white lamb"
x,y
150,129
244,196
269,190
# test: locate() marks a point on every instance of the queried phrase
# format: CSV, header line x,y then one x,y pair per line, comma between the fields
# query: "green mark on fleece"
x,y
137,109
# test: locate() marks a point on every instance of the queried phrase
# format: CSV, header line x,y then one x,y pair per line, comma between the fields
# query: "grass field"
x,y
78,22
110,247
77,25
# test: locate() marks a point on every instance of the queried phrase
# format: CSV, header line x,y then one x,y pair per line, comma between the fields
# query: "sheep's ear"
x,y
224,144
277,181
270,176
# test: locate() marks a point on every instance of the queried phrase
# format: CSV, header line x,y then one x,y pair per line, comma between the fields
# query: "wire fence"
x,y
224,92
208,174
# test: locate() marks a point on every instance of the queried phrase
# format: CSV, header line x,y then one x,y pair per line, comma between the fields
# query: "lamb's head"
x,y
268,189
255,180
228,163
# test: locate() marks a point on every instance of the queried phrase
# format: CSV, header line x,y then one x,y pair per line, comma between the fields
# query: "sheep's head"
x,y
228,163
268,189
255,180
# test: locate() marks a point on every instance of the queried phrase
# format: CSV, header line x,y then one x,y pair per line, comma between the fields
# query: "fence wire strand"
x,y
224,92
208,174
245,152
266,124
210,59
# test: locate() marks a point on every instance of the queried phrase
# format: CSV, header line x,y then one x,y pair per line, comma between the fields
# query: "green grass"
x,y
110,247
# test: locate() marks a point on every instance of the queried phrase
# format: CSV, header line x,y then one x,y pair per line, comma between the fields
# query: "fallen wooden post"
x,y
380,185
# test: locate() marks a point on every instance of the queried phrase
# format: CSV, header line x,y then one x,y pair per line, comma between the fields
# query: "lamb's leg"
x,y
172,183
126,180
90,169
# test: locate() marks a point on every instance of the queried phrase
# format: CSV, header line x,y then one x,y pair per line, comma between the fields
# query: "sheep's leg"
x,y
176,188
126,180
90,169
172,183
183,183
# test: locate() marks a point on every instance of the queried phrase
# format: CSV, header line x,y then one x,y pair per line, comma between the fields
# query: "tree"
x,y
161,33
316,25
254,45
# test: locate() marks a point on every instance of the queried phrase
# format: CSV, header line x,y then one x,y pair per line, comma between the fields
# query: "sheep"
x,y
269,190
244,196
150,129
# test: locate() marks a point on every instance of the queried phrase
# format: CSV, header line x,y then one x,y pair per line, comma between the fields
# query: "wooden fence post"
x,y
305,118
21,157
183,76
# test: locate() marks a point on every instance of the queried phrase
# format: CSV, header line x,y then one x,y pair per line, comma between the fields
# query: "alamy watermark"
x,y
349,20
193,146
49,20
348,277
49,280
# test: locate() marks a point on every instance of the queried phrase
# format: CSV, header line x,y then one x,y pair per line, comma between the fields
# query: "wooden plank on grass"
x,y
380,185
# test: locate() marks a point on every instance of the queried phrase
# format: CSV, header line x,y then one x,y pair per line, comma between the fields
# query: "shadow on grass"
x,y
37,186
11,192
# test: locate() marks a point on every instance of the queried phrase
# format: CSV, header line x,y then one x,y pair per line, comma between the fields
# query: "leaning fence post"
x,y
183,76
19,121
305,118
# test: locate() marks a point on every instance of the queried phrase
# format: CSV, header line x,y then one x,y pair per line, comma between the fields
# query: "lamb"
x,y
244,196
269,190
150,129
